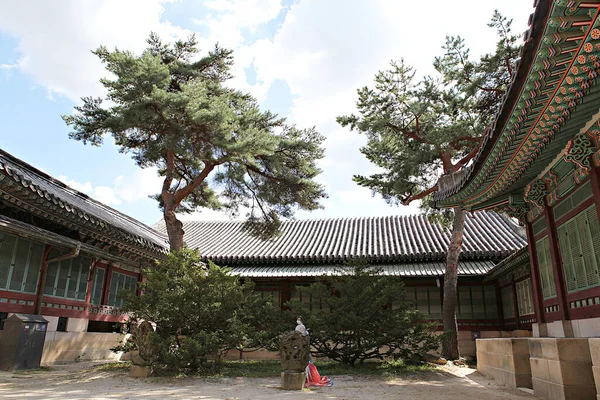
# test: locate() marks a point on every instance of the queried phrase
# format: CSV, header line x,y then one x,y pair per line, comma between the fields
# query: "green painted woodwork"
x,y
97,286
67,279
525,297
539,226
545,266
508,302
120,282
477,302
582,193
579,240
20,262
557,98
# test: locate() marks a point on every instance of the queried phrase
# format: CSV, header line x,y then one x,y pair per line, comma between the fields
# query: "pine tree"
x,y
212,144
418,130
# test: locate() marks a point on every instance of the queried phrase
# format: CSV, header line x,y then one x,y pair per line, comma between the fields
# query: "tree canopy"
x,y
171,109
419,129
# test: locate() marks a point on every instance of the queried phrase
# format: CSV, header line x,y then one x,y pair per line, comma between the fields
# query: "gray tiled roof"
x,y
379,239
77,203
426,268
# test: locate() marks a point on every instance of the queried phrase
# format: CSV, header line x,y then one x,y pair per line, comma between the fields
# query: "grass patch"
x,y
271,369
118,366
264,369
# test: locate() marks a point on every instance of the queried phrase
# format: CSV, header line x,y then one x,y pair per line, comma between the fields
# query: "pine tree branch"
x,y
462,162
182,193
420,195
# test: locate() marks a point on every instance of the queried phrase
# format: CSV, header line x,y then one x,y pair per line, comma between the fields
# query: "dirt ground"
x,y
81,381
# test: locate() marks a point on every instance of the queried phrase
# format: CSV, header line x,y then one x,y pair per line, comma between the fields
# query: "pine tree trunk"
x,y
174,228
450,341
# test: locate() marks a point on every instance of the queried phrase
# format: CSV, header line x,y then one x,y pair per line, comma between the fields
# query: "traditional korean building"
x,y
66,256
539,162
406,246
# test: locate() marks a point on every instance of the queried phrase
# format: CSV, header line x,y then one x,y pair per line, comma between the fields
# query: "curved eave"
x,y
553,95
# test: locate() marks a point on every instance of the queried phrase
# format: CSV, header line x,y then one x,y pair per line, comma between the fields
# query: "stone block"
x,y
52,323
520,364
560,329
137,371
77,325
490,334
539,330
539,369
576,373
596,372
292,380
594,344
573,349
589,327
520,346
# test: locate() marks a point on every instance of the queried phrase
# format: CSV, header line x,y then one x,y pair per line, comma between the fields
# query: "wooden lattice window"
x,y
524,297
579,240
508,302
68,278
544,259
97,286
477,302
118,283
20,262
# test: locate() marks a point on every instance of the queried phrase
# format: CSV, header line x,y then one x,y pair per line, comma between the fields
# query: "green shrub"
x,y
360,315
201,311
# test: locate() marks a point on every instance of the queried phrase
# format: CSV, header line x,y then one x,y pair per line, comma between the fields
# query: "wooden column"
x,y
499,305
106,284
557,269
39,293
538,299
90,283
516,304
595,180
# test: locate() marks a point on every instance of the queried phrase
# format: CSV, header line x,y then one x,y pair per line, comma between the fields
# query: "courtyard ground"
x,y
87,381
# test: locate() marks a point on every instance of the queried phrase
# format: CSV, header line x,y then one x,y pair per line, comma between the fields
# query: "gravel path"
x,y
80,381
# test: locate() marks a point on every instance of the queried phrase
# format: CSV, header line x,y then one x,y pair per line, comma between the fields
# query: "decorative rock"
x,y
294,350
292,380
137,371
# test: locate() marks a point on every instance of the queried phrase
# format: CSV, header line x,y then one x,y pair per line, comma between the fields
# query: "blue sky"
x,y
303,59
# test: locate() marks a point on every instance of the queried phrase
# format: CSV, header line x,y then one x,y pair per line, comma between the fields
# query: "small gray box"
x,y
22,342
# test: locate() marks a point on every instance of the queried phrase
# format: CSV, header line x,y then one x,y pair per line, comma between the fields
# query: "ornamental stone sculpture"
x,y
295,351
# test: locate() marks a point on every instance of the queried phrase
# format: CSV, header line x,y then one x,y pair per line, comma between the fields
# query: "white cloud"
x,y
55,38
130,189
323,51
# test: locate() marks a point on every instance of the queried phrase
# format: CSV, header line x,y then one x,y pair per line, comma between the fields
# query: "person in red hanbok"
x,y
313,378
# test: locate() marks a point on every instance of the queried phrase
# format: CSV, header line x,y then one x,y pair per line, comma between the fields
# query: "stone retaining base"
x,y
595,353
505,360
561,369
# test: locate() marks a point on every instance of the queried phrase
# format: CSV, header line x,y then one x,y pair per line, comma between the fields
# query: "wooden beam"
x,y
557,269
90,282
538,299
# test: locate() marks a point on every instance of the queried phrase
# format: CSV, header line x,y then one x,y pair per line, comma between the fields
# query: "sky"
x,y
302,59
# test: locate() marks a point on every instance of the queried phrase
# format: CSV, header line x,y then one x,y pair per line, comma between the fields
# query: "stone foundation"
x,y
505,360
595,353
561,369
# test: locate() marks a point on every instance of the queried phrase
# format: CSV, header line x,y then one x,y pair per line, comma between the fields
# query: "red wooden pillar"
x,y
538,299
39,293
595,180
557,269
90,282
516,304
106,284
